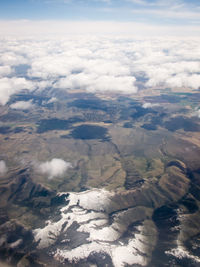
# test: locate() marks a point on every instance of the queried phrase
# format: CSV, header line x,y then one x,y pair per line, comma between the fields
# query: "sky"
x,y
21,16
162,11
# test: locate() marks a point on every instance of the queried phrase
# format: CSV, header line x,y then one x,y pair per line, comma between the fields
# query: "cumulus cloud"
x,y
10,86
93,82
54,168
3,167
12,59
24,105
185,80
78,67
149,105
99,64
5,70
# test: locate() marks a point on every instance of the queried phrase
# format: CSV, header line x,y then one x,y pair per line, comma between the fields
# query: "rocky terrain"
x,y
129,193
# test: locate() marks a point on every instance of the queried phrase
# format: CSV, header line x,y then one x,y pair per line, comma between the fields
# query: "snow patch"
x,y
16,243
180,252
87,209
120,254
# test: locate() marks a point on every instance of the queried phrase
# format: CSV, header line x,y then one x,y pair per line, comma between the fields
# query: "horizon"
x,y
135,17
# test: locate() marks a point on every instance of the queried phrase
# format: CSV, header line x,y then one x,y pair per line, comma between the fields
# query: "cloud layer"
x,y
54,168
94,64
60,28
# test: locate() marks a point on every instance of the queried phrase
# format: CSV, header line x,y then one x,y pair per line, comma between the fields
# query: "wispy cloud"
x,y
72,1
170,13
53,1
160,3
104,10
139,2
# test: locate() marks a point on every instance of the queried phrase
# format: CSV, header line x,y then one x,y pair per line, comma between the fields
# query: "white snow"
x,y
91,200
16,243
181,252
86,209
120,254
123,255
104,234
49,233
80,252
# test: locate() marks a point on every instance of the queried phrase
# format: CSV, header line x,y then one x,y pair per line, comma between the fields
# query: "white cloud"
x,y
57,1
184,80
58,29
10,86
149,105
168,62
52,100
77,66
3,167
22,105
139,2
93,82
103,63
5,70
113,83
169,13
54,168
159,3
12,59
50,67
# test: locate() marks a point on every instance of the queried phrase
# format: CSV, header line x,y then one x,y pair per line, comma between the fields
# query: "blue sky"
x,y
146,17
145,11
